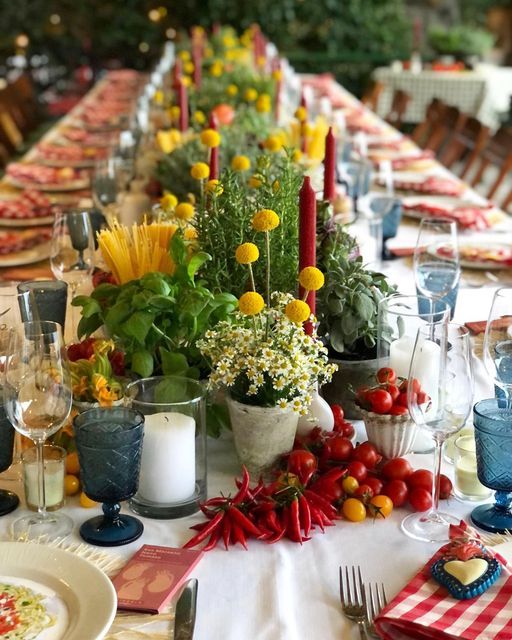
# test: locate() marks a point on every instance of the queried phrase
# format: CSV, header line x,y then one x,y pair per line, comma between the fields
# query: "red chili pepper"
x,y
238,534
215,502
226,531
316,517
277,536
333,474
324,505
204,533
214,538
273,521
199,527
264,507
244,487
293,528
243,521
305,514
209,513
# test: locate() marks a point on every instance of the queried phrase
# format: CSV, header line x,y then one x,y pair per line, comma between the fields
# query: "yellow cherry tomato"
x,y
86,502
349,484
71,485
71,463
381,506
354,510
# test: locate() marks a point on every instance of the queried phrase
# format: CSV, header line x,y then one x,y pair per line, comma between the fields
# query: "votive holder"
x,y
53,458
50,298
467,486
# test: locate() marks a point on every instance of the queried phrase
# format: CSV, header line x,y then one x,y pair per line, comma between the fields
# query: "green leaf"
x,y
170,390
217,419
138,325
162,303
87,326
196,262
335,305
156,283
91,308
173,363
105,290
364,306
178,249
142,363
337,339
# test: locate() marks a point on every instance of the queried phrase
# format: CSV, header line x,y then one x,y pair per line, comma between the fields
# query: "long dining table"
x,y
288,591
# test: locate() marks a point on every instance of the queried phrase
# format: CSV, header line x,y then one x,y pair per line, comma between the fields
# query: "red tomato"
x,y
396,469
420,499
375,484
303,464
421,478
341,448
361,396
224,113
445,487
348,429
358,471
397,491
330,490
386,374
364,492
416,387
393,391
422,397
398,410
338,414
380,400
401,401
367,454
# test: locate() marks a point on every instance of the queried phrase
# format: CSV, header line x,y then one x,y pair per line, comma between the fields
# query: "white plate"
x,y
80,596
73,185
62,164
27,256
26,222
485,246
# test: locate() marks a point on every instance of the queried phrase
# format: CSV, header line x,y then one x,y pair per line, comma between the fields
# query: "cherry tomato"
x,y
361,396
303,464
396,469
367,454
349,484
357,470
393,391
71,485
341,448
380,400
445,487
386,374
401,401
328,489
416,387
354,510
396,490
86,502
375,484
339,415
398,410
422,397
381,506
71,463
420,499
421,478
348,430
364,492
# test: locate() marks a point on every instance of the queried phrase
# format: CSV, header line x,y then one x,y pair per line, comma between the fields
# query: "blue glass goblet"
x,y
493,437
109,444
8,500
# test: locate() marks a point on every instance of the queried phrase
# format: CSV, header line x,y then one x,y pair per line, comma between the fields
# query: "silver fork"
x,y
353,599
375,601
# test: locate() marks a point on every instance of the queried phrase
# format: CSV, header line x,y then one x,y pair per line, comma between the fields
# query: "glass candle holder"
x,y
467,486
53,458
50,299
493,437
173,468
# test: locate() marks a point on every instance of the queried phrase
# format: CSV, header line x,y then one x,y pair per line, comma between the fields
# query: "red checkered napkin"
x,y
424,610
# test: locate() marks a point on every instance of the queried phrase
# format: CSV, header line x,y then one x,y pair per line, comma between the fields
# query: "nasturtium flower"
x,y
232,90
297,311
247,253
273,143
251,303
200,171
210,138
265,220
199,117
240,163
214,187
250,94
184,211
168,201
311,278
301,114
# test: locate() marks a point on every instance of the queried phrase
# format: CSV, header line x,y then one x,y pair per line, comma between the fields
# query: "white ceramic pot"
x,y
392,435
261,434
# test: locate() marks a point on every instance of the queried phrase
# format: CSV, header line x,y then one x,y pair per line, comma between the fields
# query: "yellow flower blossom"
x,y
250,94
301,114
184,211
255,182
311,278
168,201
273,143
216,69
277,75
247,253
276,185
210,138
240,163
174,112
214,187
188,67
190,233
265,220
184,55
263,103
297,155
297,311
186,81
232,90
199,117
251,303
200,171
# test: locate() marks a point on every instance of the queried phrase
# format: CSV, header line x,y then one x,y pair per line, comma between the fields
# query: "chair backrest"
x,y
24,95
399,106
10,135
450,120
423,130
497,153
468,141
372,94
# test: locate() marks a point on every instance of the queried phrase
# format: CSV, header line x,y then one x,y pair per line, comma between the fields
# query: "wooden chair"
x,y
399,106
449,121
467,142
10,135
372,94
10,102
24,96
497,153
423,130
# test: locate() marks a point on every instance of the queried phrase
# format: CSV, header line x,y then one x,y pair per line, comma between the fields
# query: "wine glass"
x,y
38,397
443,350
436,260
72,250
498,344
104,184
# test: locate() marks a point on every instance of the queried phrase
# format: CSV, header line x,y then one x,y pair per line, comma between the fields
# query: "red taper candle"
x,y
176,73
197,59
212,121
183,105
307,240
214,163
330,166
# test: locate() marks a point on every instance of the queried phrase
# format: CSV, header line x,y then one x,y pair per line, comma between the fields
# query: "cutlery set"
x,y
361,602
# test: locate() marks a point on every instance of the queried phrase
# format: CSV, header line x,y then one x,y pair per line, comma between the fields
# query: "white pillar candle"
x,y
168,465
466,476
53,483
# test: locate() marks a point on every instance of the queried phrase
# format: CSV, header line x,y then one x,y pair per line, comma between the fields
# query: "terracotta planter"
x,y
261,434
392,435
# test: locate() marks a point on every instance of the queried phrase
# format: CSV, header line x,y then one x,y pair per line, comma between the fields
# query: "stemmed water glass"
x,y
436,260
498,344
37,394
72,250
443,350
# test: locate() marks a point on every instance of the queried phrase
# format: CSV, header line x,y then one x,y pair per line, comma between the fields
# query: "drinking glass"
x,y
8,500
498,344
72,250
448,350
109,444
104,184
38,399
49,298
355,176
436,260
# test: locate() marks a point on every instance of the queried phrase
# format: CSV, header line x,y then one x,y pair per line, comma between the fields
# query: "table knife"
x,y
185,616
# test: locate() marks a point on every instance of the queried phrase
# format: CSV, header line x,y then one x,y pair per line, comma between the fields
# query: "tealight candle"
x,y
168,466
53,477
467,484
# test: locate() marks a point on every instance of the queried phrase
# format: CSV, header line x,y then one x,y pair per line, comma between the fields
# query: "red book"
x,y
152,577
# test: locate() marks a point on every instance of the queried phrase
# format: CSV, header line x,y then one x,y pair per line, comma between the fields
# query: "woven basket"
x,y
392,435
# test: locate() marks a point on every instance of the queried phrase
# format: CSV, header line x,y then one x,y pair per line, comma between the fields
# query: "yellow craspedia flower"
x,y
277,75
251,303
265,220
184,211
174,112
308,129
184,55
273,143
214,187
260,61
216,69
200,171
232,90
250,94
190,233
199,117
240,163
188,67
247,253
297,311
297,155
301,114
168,201
311,278
255,182
186,81
208,52
210,138
263,104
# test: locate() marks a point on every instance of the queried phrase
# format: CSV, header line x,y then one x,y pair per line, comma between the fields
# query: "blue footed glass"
x,y
436,278
8,500
493,437
503,353
109,444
